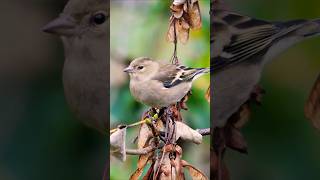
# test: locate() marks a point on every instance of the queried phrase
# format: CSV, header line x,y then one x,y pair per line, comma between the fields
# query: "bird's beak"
x,y
63,25
128,69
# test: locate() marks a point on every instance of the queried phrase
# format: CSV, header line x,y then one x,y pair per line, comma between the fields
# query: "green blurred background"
x,y
138,28
39,138
283,145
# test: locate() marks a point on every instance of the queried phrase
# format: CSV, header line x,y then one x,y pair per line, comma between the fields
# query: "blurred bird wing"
x,y
171,75
236,38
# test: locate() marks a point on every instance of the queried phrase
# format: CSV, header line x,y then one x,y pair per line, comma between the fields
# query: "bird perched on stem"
x,y
84,29
160,85
240,48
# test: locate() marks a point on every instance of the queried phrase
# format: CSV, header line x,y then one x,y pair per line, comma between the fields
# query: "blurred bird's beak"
x,y
63,26
128,70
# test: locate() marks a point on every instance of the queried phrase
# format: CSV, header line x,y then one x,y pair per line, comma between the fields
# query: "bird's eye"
x,y
140,67
99,18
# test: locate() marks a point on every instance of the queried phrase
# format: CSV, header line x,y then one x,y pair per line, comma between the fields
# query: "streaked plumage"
x,y
160,85
240,47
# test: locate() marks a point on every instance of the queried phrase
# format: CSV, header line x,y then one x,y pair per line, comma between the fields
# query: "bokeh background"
x,y
283,145
138,28
39,137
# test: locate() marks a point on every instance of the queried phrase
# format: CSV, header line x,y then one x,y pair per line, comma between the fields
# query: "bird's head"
x,y
81,18
142,69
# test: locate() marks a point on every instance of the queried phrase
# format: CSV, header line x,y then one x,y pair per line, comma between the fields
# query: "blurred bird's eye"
x,y
99,18
140,67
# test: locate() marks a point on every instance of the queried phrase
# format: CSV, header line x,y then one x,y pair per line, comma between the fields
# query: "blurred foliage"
x,y
138,28
282,143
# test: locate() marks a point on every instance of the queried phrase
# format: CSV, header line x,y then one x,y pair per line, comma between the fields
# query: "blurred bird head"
x,y
84,28
142,69
81,18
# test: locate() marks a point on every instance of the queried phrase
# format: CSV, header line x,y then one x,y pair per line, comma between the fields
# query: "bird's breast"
x,y
231,88
86,91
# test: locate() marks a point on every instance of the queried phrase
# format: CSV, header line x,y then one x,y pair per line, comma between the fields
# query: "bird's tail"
x,y
312,28
200,72
304,28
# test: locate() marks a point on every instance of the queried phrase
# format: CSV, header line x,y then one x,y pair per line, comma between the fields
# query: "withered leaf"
x,y
145,134
166,173
118,143
235,140
170,168
256,94
195,15
207,95
184,132
218,166
244,113
195,173
142,162
176,163
182,30
178,2
170,33
149,173
177,10
312,106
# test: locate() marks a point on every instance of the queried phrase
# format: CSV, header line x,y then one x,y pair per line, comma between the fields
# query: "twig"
x,y
204,132
146,120
143,151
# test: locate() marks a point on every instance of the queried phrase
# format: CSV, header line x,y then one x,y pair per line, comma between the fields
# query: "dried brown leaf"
x,y
170,168
195,173
176,163
149,173
179,2
184,132
312,106
170,33
218,166
235,140
184,24
165,167
145,133
142,162
118,143
243,116
256,94
159,126
182,31
195,16
177,10
207,95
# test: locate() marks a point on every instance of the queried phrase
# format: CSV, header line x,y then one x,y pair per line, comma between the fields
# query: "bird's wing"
x,y
236,37
171,75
